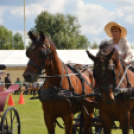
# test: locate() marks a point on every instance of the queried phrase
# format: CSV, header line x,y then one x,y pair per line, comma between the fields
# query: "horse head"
x,y
103,72
39,54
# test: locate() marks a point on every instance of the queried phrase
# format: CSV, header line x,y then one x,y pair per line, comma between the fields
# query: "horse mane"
x,y
105,48
52,43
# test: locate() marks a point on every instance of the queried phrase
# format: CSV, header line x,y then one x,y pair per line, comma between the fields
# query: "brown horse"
x,y
113,106
42,55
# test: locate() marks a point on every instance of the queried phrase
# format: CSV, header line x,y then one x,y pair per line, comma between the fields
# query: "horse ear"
x,y
32,37
90,55
110,54
42,36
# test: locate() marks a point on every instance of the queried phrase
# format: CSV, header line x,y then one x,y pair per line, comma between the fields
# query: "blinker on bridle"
x,y
114,79
46,53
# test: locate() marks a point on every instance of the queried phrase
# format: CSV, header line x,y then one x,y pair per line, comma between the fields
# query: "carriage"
x,y
10,120
67,90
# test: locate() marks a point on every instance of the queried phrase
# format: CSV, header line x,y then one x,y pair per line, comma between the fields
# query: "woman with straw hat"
x,y
118,34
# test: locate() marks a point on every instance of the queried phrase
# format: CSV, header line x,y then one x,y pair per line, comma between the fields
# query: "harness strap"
x,y
60,85
72,88
128,82
37,66
78,73
32,63
79,76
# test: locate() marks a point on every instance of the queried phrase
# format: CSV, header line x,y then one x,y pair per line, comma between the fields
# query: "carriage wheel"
x,y
74,130
97,125
78,126
10,122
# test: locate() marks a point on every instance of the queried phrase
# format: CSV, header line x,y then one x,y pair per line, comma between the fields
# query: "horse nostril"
x,y
28,76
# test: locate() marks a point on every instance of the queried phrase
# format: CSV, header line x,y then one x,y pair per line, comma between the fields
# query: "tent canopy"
x,y
17,58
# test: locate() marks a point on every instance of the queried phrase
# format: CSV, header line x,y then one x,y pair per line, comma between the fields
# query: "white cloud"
x,y
119,13
120,2
129,19
17,11
34,9
1,13
92,17
125,13
97,40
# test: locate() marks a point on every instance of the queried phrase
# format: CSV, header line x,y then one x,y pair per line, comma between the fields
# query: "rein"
x,y
125,74
71,74
77,73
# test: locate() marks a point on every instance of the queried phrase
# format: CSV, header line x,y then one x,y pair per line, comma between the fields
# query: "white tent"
x,y
12,58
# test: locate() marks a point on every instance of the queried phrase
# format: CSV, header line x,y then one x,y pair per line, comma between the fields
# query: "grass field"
x,y
31,116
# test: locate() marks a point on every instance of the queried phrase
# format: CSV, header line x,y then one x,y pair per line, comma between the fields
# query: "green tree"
x,y
64,30
18,41
10,41
94,45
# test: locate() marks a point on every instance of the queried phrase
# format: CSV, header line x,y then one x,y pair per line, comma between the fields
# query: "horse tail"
x,y
59,125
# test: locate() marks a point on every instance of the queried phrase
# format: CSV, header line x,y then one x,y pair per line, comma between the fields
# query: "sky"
x,y
93,15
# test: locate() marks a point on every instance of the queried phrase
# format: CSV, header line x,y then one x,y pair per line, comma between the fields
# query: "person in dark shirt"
x,y
8,82
1,85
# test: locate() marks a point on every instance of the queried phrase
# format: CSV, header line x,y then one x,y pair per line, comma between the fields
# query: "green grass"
x,y
31,117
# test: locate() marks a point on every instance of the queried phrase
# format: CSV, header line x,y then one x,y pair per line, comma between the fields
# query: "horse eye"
x,y
42,54
27,53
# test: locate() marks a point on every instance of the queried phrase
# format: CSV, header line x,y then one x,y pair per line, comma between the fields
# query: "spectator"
x,y
18,82
8,82
1,82
27,86
1,85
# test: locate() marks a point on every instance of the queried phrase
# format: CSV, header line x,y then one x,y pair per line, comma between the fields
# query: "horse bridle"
x,y
45,55
114,79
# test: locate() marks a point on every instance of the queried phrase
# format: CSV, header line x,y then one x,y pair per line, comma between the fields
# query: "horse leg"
x,y
107,121
124,120
132,121
88,121
68,121
50,124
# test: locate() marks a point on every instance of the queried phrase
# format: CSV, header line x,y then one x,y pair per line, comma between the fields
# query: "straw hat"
x,y
110,25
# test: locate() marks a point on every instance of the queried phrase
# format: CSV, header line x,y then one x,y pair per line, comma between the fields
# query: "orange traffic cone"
x,y
21,100
10,101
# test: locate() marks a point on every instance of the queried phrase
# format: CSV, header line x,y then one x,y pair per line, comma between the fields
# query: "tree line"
x,y
8,40
63,30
